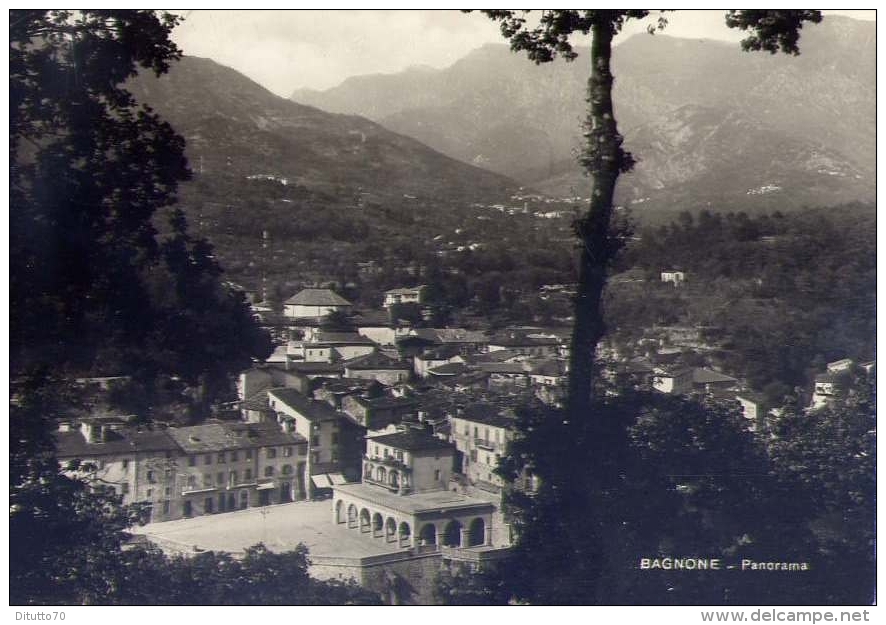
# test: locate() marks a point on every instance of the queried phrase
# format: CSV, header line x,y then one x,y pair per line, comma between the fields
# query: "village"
x,y
372,441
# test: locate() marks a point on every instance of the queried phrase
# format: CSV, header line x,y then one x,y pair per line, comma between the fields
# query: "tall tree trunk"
x,y
603,159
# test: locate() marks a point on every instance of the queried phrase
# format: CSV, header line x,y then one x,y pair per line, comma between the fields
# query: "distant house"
x,y
315,303
673,381
706,379
525,345
434,358
378,366
376,413
753,408
334,346
376,325
840,365
674,277
404,296
548,373
825,389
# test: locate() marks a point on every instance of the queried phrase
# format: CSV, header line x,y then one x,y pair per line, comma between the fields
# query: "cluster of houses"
x,y
401,428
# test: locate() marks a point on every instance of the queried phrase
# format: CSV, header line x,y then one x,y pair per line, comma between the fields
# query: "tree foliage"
x,y
577,534
104,278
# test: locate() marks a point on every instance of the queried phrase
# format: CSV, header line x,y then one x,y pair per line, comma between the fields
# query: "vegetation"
x,y
106,279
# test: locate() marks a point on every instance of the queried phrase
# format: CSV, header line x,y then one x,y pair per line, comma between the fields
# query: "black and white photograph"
x,y
443,307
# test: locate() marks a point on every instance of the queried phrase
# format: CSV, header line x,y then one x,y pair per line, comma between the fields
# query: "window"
x,y
167,491
437,475
167,474
473,455
232,477
467,430
150,493
376,450
399,455
271,452
151,478
303,450
249,454
315,440
166,508
287,452
269,471
221,458
192,481
315,457
124,488
287,469
125,465
192,461
220,478
247,474
476,432
207,459
335,438
207,480
234,456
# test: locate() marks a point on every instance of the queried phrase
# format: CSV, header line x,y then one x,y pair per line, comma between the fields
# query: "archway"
x,y
339,510
394,479
378,525
405,534
352,516
390,530
364,520
381,475
428,535
244,499
452,534
477,532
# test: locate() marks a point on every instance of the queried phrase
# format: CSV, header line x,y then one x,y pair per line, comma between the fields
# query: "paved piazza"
x,y
279,527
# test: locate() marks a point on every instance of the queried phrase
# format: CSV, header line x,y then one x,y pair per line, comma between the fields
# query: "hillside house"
x,y
413,295
380,367
315,303
673,277
676,381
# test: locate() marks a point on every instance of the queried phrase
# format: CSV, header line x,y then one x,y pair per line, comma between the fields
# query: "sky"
x,y
318,49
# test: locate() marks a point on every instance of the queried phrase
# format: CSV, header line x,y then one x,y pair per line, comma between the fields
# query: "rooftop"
x,y
412,440
209,437
376,360
415,503
310,409
126,441
317,297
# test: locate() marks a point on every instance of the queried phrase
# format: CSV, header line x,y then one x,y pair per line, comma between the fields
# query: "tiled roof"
x,y
502,367
126,441
314,368
450,368
341,338
310,409
460,335
404,290
487,415
551,368
317,297
412,440
706,376
376,360
211,437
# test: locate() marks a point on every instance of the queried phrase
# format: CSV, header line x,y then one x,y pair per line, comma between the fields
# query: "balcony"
x,y
195,490
482,443
389,461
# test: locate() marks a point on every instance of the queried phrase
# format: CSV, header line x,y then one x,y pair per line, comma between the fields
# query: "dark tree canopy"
x,y
104,278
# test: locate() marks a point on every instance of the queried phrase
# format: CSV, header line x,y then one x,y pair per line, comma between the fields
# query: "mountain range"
x,y
711,126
